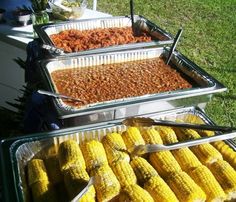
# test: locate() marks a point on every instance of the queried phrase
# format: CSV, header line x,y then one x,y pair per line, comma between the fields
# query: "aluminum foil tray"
x,y
160,37
203,83
41,145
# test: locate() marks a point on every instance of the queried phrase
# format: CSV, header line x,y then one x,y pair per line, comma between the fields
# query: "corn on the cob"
x,y
75,179
114,141
94,154
151,136
106,184
185,188
206,153
89,196
228,153
167,134
43,191
115,148
69,154
124,173
159,190
132,137
164,162
191,118
53,169
142,169
185,157
206,180
37,171
135,193
226,176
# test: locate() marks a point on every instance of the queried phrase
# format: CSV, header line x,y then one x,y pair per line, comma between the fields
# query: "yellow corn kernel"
x,y
106,184
124,173
142,169
69,154
228,153
167,134
37,171
132,137
43,191
206,180
89,196
151,136
115,148
164,163
185,188
75,180
135,193
159,190
226,176
53,169
94,154
185,157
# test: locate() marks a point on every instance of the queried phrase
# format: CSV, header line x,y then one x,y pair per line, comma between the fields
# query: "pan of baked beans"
x,y
118,79
101,35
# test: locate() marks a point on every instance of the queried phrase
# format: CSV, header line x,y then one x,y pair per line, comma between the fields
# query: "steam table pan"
x,y
16,153
159,36
203,86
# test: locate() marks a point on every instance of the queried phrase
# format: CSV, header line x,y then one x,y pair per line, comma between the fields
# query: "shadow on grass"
x,y
228,97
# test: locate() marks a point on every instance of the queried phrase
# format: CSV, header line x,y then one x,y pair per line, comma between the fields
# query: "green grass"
x,y
209,39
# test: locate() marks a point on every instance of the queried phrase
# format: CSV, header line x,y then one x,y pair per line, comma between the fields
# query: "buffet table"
x,y
13,42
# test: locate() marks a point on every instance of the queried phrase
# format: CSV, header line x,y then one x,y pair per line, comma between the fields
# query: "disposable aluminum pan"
x,y
203,85
42,145
159,36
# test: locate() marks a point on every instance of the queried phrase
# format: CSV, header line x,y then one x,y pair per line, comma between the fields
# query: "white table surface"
x,y
21,36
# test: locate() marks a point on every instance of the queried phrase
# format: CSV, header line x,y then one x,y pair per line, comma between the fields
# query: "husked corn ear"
x,y
69,154
185,157
206,153
75,180
226,176
94,154
37,171
142,169
106,184
228,153
151,136
186,134
43,191
89,196
132,137
124,173
114,141
115,148
159,190
53,169
206,180
191,118
185,188
167,134
135,193
164,163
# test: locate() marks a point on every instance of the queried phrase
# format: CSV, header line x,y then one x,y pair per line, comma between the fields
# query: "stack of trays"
x,y
17,180
202,85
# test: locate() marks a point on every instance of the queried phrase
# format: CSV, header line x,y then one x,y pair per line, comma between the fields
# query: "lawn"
x,y
209,39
